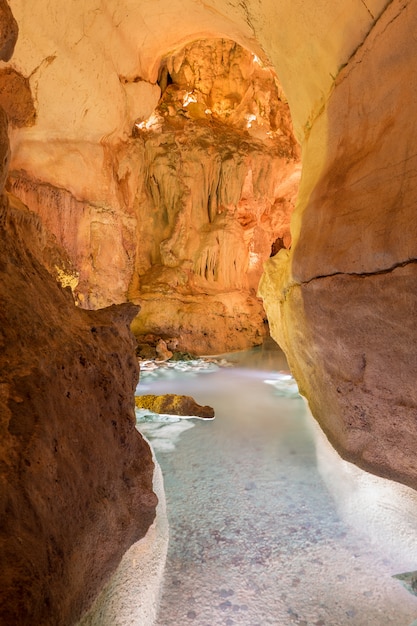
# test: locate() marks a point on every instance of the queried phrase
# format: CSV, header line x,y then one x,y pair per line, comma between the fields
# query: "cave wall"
x,y
341,302
220,171
204,187
92,76
76,476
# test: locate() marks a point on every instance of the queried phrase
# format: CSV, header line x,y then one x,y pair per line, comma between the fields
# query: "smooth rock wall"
x,y
343,303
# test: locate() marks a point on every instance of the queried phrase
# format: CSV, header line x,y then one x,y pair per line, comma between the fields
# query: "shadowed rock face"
x,y
75,475
8,31
16,98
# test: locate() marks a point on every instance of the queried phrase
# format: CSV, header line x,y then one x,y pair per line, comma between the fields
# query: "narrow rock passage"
x,y
254,535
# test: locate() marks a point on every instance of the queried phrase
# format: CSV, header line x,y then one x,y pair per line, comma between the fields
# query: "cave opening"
x,y
221,180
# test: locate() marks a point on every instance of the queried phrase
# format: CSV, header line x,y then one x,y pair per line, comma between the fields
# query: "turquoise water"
x,y
255,537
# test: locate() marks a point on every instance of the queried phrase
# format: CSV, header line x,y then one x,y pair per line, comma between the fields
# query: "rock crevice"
x,y
387,270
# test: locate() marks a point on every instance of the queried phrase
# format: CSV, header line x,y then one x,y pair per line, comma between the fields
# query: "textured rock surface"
x,y
76,476
99,239
343,302
9,31
204,190
203,325
88,67
348,71
173,405
220,179
16,98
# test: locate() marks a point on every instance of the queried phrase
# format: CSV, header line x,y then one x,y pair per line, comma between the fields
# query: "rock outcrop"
x,y
76,476
9,31
174,404
16,98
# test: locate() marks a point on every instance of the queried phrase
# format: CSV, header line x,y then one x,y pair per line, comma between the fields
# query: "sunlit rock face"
x,y
221,171
343,303
347,70
205,190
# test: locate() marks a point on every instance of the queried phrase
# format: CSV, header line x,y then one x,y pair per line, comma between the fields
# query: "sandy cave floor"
x,y
255,538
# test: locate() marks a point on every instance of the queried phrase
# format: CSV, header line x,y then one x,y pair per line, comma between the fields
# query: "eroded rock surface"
x,y
221,175
16,98
204,191
8,31
76,476
348,70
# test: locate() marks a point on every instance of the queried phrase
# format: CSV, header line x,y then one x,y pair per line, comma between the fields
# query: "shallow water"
x,y
255,537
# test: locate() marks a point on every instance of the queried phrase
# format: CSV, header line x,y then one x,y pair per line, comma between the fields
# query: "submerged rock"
x,y
174,404
409,581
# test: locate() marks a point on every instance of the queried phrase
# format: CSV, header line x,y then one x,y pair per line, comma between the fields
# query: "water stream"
x,y
255,537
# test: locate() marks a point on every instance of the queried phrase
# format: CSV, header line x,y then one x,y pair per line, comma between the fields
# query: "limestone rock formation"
x,y
173,404
16,98
9,31
220,183
204,190
348,71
